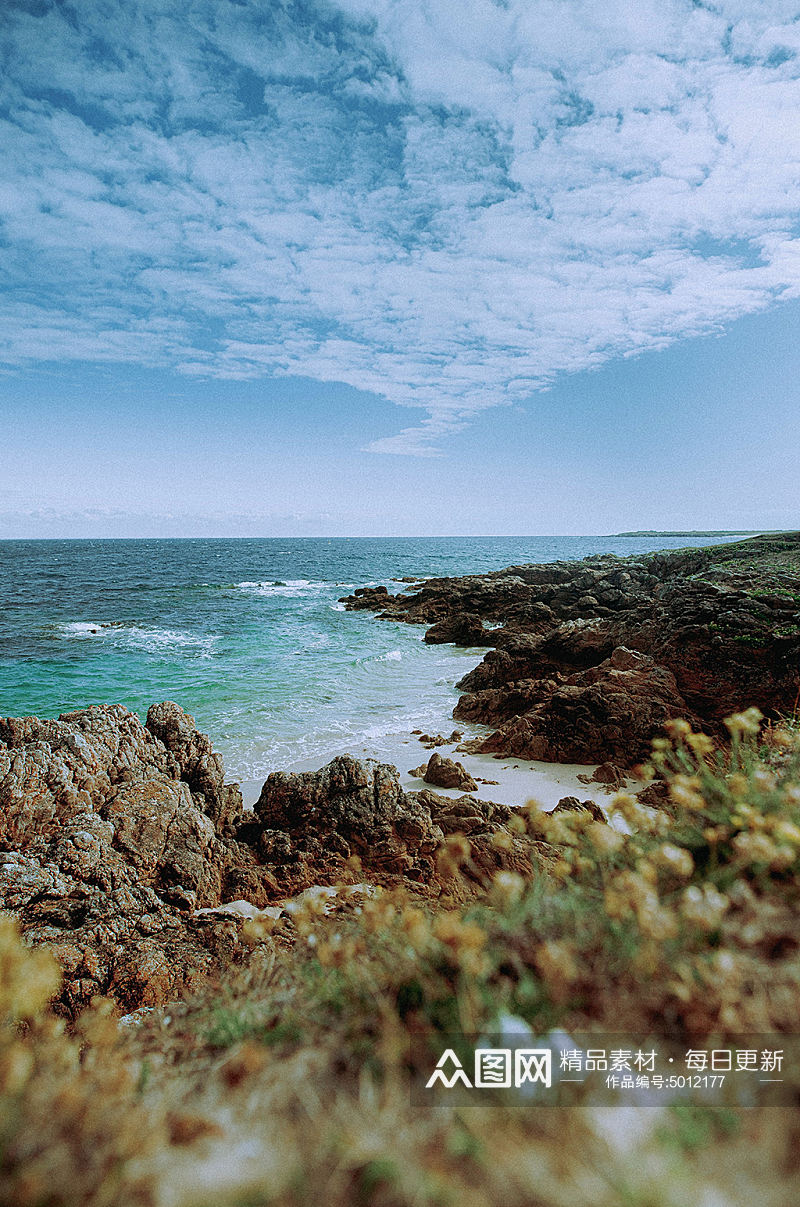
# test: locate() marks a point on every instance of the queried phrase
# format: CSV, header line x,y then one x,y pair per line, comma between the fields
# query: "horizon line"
x,y
698,532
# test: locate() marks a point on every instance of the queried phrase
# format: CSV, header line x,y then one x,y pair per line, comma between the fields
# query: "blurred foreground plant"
x,y
71,1130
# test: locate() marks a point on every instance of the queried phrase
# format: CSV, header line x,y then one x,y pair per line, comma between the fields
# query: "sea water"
x,y
248,635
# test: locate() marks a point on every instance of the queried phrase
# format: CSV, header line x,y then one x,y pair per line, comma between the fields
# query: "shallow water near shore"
x,y
248,636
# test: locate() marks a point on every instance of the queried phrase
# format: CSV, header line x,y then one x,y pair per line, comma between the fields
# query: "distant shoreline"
x,y
699,532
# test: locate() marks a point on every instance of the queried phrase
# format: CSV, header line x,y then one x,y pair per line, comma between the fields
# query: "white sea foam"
x,y
82,628
289,588
140,637
392,656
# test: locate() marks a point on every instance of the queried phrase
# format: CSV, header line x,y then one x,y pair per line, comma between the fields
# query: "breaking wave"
x,y
139,637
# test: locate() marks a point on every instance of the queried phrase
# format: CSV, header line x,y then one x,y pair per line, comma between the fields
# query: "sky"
x,y
374,267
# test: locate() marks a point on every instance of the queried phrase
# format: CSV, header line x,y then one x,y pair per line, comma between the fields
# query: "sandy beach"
x,y
517,780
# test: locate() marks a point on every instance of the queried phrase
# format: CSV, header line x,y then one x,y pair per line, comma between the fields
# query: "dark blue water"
x,y
246,634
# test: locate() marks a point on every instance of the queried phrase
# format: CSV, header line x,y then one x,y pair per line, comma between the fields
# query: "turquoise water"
x,y
247,635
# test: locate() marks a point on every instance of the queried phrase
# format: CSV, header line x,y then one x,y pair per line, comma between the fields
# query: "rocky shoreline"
x,y
125,851
587,660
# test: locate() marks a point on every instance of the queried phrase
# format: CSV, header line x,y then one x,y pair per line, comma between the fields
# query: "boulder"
x,y
309,823
464,628
571,804
612,778
446,773
608,712
362,801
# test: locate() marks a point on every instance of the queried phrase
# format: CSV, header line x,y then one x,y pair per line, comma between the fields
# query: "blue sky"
x,y
407,266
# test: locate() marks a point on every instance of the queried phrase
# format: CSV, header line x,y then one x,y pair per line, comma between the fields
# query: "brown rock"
x,y
310,822
607,774
464,628
571,804
200,767
445,773
722,620
656,794
607,712
107,853
313,821
108,849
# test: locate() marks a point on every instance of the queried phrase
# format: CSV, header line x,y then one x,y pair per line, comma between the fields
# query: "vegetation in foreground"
x,y
291,1086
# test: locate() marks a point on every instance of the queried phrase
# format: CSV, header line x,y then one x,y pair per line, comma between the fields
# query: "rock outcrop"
x,y
464,628
308,824
105,854
589,658
200,767
445,773
571,804
608,712
119,841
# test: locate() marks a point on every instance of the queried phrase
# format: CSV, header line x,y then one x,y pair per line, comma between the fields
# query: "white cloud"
x,y
447,209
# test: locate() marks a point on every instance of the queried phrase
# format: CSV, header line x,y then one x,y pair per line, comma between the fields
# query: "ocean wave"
x,y
368,660
139,637
291,588
82,628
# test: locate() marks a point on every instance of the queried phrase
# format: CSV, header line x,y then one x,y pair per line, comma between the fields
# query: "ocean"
x,y
248,635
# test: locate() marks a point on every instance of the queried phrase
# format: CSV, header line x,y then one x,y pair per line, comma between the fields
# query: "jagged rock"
x,y
106,853
608,774
309,823
50,770
723,621
366,597
165,838
484,823
656,794
495,705
607,712
117,849
200,766
465,628
571,804
445,773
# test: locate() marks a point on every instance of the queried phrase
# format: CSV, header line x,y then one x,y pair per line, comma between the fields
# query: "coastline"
x,y
518,780
588,661
584,663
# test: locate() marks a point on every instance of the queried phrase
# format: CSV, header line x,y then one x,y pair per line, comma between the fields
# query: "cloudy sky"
x,y
369,266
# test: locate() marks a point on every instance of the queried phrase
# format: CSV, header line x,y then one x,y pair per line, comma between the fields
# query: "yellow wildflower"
x,y
744,723
676,860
